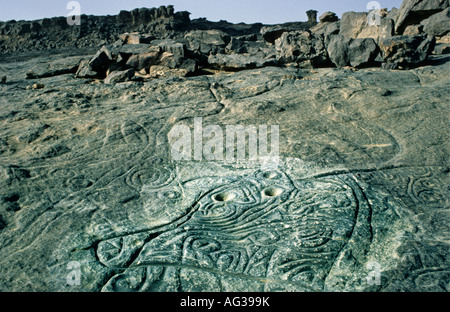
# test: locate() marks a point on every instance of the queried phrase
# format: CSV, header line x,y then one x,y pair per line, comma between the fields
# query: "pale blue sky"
x,y
265,11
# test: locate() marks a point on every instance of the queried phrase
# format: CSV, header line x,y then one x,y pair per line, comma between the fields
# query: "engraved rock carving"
x,y
262,227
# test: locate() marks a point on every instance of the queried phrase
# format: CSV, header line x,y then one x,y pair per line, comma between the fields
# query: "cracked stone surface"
x,y
86,175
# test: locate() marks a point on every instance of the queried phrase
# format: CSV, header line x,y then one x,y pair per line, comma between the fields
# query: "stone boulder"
x,y
119,76
326,30
207,41
272,33
137,56
355,25
438,24
337,49
143,61
137,38
237,45
362,52
329,25
298,47
358,53
102,59
169,60
245,44
165,52
171,46
328,17
413,12
406,51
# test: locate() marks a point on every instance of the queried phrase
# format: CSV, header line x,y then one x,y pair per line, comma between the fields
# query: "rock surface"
x,y
437,24
405,50
414,11
87,176
236,62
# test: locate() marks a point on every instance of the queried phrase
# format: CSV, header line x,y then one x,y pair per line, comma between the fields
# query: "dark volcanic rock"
x,y
240,44
327,30
337,49
273,32
442,48
437,24
344,51
234,62
55,68
328,17
407,51
207,41
137,38
131,49
312,16
50,33
119,76
143,60
101,61
297,47
231,29
85,70
414,11
178,49
362,52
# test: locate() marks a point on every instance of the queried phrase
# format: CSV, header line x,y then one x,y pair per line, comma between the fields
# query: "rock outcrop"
x,y
415,11
437,24
51,33
300,47
407,51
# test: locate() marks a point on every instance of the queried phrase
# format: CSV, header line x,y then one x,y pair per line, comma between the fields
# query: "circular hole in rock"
x,y
224,197
271,175
273,191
